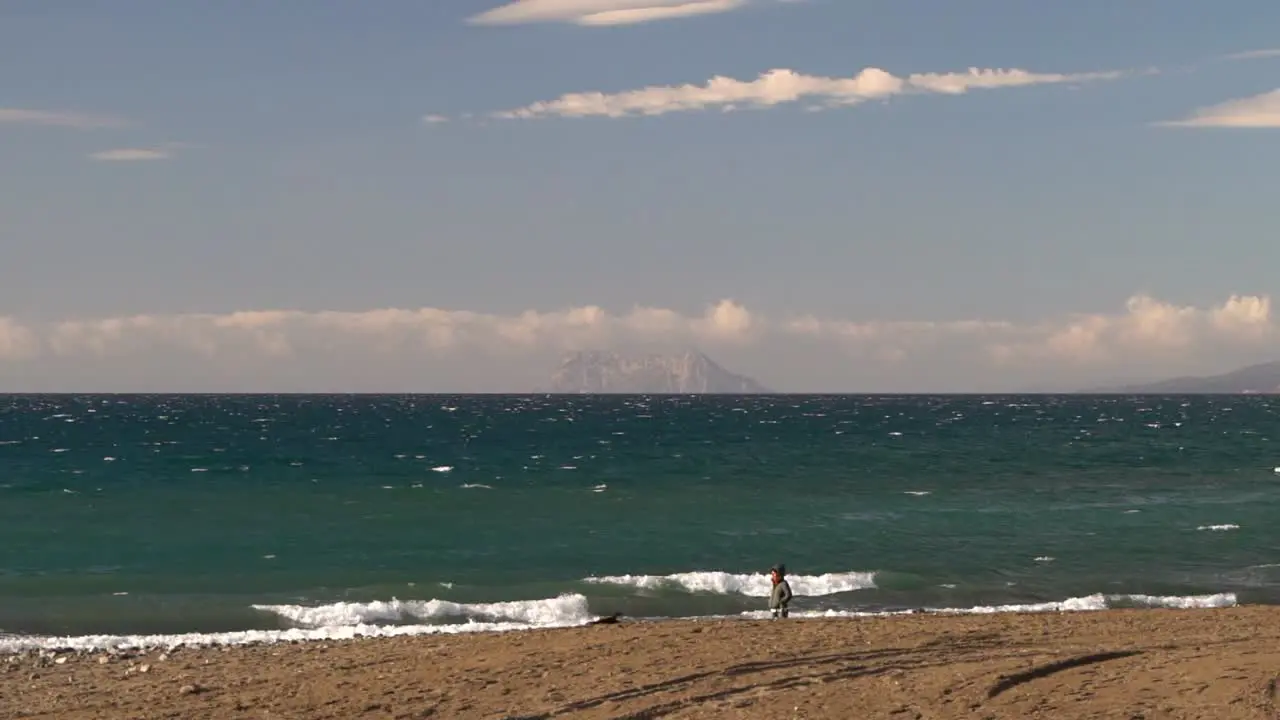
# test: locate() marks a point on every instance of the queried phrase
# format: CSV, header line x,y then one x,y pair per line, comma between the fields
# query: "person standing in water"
x,y
780,597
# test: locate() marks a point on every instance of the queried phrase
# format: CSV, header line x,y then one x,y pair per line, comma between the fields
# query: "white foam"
x,y
17,644
442,468
347,621
562,611
1088,603
344,621
723,583
1190,602
475,486
1218,528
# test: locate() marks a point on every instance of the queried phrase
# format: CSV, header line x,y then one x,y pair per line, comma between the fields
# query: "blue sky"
x,y
168,164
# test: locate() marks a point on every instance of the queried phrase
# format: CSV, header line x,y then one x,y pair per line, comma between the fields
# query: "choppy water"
x,y
252,517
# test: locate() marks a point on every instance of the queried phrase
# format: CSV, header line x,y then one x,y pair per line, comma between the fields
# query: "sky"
x,y
827,195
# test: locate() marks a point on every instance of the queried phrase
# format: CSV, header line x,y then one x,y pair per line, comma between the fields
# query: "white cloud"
x,y
163,151
1148,329
784,86
16,341
131,155
1259,111
1255,54
434,119
438,349
78,121
601,12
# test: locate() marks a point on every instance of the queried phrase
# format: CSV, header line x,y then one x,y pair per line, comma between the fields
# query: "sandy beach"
x,y
1218,664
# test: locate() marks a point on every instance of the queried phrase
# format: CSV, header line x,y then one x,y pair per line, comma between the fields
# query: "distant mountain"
x,y
1262,379
688,372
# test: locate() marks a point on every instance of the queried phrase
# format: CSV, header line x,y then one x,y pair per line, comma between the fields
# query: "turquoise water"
x,y
128,515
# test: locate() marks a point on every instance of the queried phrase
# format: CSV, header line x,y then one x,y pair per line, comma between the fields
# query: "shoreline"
x,y
91,642
1210,663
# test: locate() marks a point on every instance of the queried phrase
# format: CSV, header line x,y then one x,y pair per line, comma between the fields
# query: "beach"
x,y
1220,664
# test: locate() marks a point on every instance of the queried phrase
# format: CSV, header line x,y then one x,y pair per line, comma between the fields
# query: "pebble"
x,y
188,689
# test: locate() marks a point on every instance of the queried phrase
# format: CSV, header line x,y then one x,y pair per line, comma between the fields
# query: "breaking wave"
x,y
1087,603
346,621
723,583
562,611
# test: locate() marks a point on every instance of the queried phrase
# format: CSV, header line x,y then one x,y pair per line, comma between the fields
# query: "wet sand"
x,y
1220,664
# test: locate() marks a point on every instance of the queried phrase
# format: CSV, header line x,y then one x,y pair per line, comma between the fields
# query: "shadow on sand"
x,y
825,668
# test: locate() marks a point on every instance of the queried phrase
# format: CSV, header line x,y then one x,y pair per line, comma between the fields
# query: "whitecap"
x,y
1088,603
562,611
752,585
89,643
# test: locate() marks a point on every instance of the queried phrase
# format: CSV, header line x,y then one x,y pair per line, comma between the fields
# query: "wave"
x,y
562,611
343,621
348,621
18,643
1088,603
1099,601
1218,528
723,583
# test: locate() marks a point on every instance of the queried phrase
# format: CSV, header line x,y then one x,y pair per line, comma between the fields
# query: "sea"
x,y
159,520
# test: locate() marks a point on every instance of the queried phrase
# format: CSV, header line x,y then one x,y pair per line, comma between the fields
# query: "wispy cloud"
x,y
783,86
47,118
434,119
1258,111
336,348
131,155
1255,54
164,151
602,12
